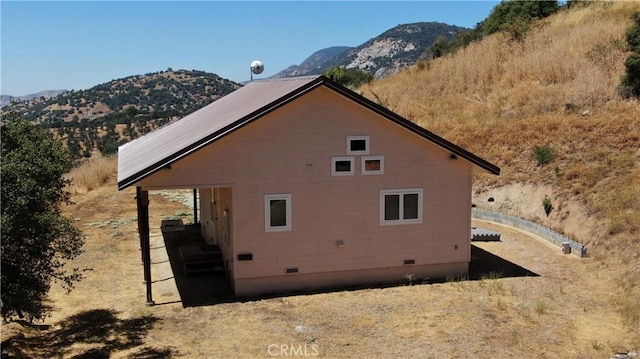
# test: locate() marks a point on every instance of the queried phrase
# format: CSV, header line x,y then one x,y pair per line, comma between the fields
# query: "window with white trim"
x,y
372,165
277,212
357,145
401,206
342,166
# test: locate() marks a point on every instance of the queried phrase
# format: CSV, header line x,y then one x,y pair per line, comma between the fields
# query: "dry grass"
x,y
92,173
496,98
565,312
500,98
563,61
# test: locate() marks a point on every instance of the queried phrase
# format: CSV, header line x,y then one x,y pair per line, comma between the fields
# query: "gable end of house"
x,y
261,109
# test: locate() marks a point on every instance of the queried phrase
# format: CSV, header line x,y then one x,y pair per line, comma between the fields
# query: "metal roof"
x,y
147,154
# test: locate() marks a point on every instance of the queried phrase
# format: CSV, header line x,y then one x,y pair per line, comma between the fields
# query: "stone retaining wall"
x,y
558,239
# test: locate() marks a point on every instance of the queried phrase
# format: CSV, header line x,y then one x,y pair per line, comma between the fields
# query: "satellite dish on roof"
x,y
256,68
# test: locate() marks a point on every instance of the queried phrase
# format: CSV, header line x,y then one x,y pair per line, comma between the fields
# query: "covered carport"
x,y
173,251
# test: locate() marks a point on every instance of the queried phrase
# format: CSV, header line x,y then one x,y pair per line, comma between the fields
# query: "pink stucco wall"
x,y
289,151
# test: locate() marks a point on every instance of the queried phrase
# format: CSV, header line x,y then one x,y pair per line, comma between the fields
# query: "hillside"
x,y
382,55
163,94
45,94
317,63
106,115
556,87
398,47
499,98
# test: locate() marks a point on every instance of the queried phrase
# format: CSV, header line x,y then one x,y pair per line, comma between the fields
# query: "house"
x,y
305,184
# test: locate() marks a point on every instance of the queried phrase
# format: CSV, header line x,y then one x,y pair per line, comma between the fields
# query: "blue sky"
x,y
80,44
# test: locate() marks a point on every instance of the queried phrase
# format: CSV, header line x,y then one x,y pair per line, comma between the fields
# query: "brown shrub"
x,y
92,173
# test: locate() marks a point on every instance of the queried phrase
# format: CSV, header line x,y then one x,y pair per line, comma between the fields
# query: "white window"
x,y
277,212
342,166
357,145
401,206
372,165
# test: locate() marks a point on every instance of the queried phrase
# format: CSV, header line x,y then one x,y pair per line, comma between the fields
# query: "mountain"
x,y
169,94
6,99
164,94
382,55
315,64
398,47
110,114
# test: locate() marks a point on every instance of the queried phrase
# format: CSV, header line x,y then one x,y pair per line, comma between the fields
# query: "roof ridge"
x,y
290,78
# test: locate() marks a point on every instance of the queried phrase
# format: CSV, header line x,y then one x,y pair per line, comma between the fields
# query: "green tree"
x,y
631,80
511,16
464,38
336,73
633,34
73,146
440,47
547,205
515,14
352,77
630,84
37,240
107,145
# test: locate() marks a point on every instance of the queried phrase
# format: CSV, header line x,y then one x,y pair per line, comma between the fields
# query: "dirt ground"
x,y
564,311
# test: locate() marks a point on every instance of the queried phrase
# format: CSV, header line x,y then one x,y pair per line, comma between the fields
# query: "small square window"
x,y
277,212
372,165
342,166
357,145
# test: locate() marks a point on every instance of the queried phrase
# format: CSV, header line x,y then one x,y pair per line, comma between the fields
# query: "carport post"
x,y
142,201
195,206
140,235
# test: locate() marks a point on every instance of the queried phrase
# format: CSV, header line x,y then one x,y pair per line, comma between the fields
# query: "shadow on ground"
x,y
195,289
488,265
213,288
92,334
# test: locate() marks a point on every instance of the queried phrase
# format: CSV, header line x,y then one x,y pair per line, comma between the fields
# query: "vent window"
x,y
342,166
372,165
358,145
